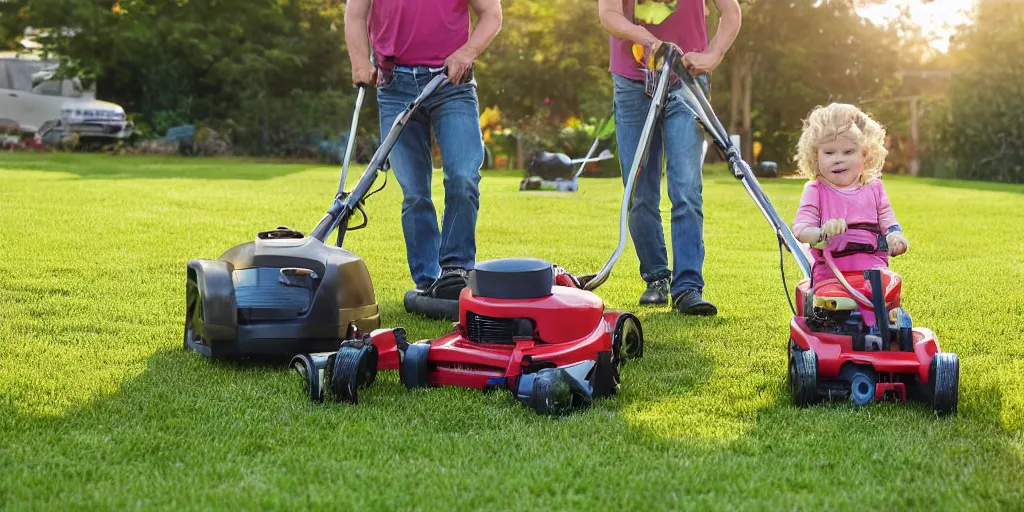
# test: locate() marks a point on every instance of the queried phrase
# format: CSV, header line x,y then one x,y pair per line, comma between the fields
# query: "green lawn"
x,y
101,409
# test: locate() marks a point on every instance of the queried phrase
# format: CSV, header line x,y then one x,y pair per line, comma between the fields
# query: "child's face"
x,y
841,161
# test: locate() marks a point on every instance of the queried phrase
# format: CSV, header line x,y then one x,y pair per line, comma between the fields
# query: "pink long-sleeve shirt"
x,y
857,204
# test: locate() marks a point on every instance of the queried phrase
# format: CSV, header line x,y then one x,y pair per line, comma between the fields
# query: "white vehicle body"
x,y
39,103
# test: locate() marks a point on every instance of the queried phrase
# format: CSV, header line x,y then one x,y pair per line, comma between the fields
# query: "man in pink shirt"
x,y
412,41
679,138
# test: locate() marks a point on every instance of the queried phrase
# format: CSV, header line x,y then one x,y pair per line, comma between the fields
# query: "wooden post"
x,y
520,149
747,144
915,158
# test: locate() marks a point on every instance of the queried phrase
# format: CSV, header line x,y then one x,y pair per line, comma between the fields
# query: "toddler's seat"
x,y
830,294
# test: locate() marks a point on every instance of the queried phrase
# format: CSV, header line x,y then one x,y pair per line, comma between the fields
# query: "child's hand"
x,y
833,227
898,244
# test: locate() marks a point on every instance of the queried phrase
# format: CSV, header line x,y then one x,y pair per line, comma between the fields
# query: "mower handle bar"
x,y
351,138
705,115
643,147
344,204
586,159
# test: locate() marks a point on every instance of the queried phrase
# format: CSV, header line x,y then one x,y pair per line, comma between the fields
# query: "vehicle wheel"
x,y
627,339
413,370
803,376
552,394
355,368
862,389
312,382
944,375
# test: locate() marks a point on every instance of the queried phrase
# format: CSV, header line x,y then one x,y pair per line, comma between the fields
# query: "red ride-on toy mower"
x,y
833,352
524,325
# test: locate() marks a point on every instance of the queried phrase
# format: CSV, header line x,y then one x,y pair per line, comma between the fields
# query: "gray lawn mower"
x,y
286,292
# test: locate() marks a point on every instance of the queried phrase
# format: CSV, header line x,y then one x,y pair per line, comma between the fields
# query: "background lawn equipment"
x,y
554,171
833,354
286,292
523,324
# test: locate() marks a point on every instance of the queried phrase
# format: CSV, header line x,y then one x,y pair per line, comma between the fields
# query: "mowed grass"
x,y
101,409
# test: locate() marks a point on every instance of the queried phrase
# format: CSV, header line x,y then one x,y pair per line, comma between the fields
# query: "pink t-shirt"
x,y
685,27
858,204
418,32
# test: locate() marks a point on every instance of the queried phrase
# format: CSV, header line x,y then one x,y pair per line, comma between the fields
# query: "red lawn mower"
x,y
833,353
524,325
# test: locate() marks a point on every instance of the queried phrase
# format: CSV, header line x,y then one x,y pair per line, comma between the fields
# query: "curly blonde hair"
x,y
826,124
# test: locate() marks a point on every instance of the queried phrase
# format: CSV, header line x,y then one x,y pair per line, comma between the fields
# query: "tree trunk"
x,y
915,158
747,135
520,152
735,83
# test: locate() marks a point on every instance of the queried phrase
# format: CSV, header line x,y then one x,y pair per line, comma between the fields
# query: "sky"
x,y
938,18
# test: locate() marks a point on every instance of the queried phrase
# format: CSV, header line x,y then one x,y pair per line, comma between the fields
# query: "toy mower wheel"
x,y
552,393
355,368
944,375
627,339
862,388
414,370
803,375
311,378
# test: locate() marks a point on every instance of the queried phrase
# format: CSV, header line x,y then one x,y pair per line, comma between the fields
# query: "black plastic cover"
x,y
512,278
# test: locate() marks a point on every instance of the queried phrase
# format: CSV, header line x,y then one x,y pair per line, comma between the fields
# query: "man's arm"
x,y
728,29
357,39
614,21
488,25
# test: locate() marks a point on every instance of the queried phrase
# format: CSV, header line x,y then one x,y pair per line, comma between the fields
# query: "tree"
x,y
794,54
255,68
13,20
985,134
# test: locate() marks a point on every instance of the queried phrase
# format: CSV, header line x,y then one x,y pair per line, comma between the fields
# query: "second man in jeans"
x,y
679,138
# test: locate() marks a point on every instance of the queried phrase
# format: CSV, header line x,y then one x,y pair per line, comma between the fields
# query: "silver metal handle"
x,y
351,137
653,113
586,159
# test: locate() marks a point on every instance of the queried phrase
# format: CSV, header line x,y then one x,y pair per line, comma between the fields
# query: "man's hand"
x,y
898,244
644,54
460,65
364,74
701,62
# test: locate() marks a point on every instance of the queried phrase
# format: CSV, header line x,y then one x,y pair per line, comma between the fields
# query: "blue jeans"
x,y
453,113
682,149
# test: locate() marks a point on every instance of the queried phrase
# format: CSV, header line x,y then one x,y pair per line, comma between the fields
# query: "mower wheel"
x,y
311,377
355,368
944,375
552,393
193,311
413,370
862,388
627,339
803,375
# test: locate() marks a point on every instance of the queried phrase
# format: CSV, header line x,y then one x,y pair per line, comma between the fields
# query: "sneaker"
x,y
449,285
656,293
690,302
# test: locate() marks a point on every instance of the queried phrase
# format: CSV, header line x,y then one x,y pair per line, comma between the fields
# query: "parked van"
x,y
39,103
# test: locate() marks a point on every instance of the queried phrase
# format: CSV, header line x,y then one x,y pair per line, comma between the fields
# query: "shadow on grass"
x,y
93,166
